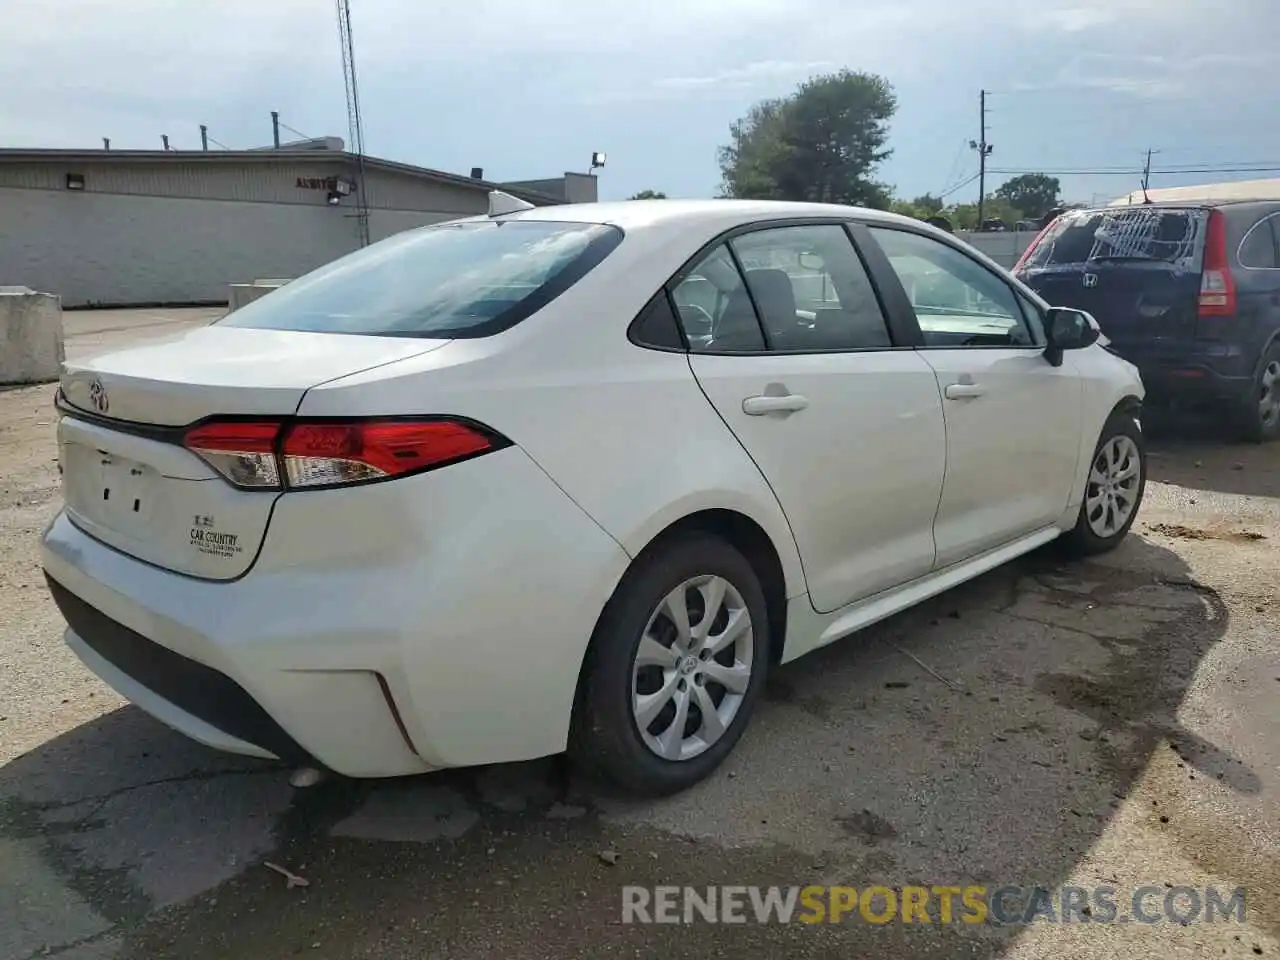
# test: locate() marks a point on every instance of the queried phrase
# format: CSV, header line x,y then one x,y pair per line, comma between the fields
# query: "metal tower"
x,y
355,127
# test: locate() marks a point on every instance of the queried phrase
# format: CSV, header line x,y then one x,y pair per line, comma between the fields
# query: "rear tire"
x,y
641,653
1259,415
1114,488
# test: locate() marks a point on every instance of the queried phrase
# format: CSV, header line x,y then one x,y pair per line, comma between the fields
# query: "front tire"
x,y
675,666
1113,491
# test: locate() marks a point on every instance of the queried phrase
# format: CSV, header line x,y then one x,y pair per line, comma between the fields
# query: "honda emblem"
x,y
1090,279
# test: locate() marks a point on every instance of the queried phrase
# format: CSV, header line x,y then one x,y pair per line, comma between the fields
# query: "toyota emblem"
x,y
98,396
1090,279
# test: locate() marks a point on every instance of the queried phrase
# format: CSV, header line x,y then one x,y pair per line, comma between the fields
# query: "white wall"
x,y
114,249
1003,248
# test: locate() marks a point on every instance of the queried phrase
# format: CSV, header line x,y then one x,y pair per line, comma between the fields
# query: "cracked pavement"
x,y
1114,722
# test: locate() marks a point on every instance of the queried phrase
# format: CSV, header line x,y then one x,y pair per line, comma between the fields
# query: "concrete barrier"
x,y
31,344
240,294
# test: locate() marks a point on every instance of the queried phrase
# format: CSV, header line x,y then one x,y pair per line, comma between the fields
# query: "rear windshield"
x,y
1163,234
469,279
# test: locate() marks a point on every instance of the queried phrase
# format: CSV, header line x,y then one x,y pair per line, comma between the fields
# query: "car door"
x,y
1013,420
845,425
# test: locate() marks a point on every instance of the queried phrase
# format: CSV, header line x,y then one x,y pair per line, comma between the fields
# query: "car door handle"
x,y
963,391
787,403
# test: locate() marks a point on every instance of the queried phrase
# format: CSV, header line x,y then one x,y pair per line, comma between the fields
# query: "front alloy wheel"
x,y
1113,489
1114,484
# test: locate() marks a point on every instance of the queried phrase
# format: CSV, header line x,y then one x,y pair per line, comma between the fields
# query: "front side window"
x,y
469,279
958,301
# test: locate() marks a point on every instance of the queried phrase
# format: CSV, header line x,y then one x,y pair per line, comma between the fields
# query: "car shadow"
x,y
1189,450
990,735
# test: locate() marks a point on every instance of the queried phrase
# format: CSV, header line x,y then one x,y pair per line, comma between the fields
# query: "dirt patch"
x,y
870,828
1180,532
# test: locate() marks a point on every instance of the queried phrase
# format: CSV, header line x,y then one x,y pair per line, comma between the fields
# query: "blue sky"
x,y
531,89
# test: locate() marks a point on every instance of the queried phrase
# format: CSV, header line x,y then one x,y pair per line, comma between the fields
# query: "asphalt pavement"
x,y
1112,723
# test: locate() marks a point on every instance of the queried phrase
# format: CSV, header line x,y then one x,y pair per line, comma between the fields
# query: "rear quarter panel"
x,y
625,431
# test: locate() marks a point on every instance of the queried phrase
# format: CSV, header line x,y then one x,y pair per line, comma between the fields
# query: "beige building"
x,y
127,227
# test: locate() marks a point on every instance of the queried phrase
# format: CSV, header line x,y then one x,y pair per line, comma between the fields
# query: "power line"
x,y
955,163
959,186
1130,171
217,144
296,133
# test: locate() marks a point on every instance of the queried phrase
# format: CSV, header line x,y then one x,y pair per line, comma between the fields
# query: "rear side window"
x,y
469,279
1173,235
801,288
1258,248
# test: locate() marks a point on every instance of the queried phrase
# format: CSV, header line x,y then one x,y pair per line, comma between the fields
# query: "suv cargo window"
x,y
1169,235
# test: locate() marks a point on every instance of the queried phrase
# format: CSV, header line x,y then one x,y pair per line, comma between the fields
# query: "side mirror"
x,y
811,261
1068,329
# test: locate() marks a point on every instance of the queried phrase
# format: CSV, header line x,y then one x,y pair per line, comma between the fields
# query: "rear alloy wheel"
x,y
1260,417
675,666
1114,488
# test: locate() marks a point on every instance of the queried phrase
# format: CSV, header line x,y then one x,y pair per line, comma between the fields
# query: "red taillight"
x,y
309,454
1217,286
243,452
324,454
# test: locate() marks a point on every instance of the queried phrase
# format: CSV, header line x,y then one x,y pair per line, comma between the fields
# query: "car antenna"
x,y
501,204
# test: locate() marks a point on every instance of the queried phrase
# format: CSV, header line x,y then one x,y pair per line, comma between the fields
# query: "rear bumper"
x,y
435,621
1190,371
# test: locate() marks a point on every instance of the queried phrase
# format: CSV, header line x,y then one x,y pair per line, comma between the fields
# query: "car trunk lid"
x,y
1137,270
128,480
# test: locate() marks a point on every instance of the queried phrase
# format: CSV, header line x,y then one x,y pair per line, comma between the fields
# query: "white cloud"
x,y
749,75
84,69
1077,19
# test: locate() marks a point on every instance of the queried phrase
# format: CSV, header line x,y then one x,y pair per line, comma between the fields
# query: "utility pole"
x,y
1146,175
275,128
106,143
984,151
204,137
164,138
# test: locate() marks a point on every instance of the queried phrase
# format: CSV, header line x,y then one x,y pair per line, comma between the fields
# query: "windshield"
x,y
469,279
1161,234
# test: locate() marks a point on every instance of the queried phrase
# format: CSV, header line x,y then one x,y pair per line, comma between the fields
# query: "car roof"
x,y
1190,204
724,214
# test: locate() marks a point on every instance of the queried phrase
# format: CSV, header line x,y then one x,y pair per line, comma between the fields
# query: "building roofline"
x,y
262,156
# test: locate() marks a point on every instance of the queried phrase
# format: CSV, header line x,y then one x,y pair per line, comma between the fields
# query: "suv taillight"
x,y
314,454
1217,286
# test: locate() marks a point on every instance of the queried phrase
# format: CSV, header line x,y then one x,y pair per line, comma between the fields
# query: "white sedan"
x,y
569,477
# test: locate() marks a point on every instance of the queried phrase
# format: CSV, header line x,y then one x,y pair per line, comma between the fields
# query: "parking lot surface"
x,y
1115,723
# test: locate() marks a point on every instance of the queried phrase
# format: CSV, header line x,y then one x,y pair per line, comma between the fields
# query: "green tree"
x,y
1034,194
648,195
821,143
965,215
928,204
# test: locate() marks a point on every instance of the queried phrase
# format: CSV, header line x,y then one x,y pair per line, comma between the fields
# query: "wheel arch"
x,y
747,536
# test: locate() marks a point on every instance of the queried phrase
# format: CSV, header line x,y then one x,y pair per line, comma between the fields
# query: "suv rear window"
x,y
469,279
1163,234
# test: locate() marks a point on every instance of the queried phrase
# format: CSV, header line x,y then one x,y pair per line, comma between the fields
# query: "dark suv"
x,y
1187,292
